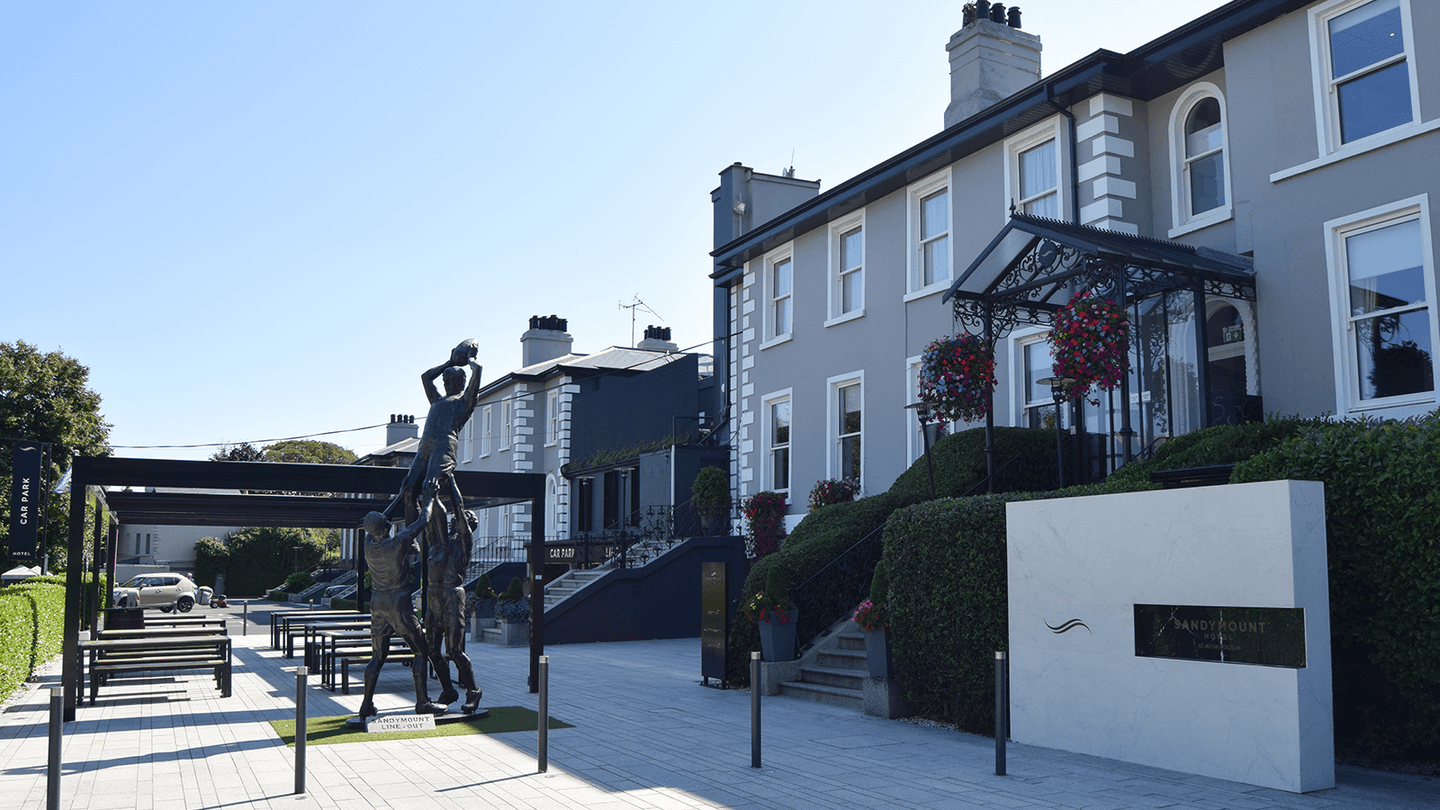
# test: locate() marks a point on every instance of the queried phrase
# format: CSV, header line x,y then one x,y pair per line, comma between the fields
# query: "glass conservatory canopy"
x,y
1034,265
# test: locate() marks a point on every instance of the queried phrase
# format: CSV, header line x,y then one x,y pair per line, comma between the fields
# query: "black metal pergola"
x,y
1034,266
365,488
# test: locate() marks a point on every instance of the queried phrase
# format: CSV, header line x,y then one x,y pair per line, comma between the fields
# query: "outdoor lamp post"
x,y
922,413
1057,390
297,558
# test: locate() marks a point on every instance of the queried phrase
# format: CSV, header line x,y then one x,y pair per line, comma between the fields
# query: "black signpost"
x,y
26,500
713,621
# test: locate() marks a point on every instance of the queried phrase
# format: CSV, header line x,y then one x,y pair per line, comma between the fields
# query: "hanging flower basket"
x,y
1090,344
957,377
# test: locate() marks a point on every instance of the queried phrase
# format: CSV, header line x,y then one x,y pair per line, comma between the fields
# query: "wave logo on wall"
x,y
1068,626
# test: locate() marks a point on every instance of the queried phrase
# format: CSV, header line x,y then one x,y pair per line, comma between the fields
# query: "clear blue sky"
x,y
262,220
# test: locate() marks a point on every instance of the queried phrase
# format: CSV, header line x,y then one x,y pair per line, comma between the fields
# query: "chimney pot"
x,y
1013,19
997,13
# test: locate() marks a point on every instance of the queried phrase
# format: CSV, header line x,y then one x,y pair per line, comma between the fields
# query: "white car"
x,y
165,591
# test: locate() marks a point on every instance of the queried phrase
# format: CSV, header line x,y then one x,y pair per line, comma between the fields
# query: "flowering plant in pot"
x,y
776,616
1090,344
710,495
873,618
833,490
957,377
764,522
512,607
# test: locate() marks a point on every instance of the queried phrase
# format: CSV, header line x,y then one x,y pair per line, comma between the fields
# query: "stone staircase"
x,y
833,671
571,581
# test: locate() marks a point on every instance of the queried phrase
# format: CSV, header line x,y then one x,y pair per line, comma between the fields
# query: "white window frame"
x,y
467,435
487,421
832,425
1347,384
915,271
838,229
768,428
507,421
552,406
1327,105
767,295
1020,341
1054,129
1181,217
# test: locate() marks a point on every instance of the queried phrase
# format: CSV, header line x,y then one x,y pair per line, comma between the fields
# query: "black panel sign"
x,y
713,624
25,501
1233,635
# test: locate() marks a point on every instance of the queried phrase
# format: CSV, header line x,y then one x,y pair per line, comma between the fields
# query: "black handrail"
x,y
830,593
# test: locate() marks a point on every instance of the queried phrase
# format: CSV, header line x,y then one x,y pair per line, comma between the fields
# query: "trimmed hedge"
x,y
32,621
959,461
1382,516
947,625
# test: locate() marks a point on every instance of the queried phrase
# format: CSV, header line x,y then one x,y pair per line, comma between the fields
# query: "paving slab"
x,y
647,735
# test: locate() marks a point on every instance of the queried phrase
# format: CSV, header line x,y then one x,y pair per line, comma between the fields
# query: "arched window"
x,y
1200,176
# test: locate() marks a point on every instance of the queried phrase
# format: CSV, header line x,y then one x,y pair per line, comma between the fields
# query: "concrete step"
x,y
833,696
840,678
844,659
852,641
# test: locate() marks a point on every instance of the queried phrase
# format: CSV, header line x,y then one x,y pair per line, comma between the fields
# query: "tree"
x,y
256,559
44,398
244,451
307,451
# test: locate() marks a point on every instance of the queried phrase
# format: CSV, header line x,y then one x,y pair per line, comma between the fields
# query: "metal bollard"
x,y
52,792
543,752
755,709
1002,706
300,730
245,618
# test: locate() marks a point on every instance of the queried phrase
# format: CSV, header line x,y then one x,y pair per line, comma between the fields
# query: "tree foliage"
x,y
44,397
307,451
254,560
244,451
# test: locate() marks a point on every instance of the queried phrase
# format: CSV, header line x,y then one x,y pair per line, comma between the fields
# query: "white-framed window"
x,y
915,438
552,412
1037,400
487,433
847,269
778,289
930,225
1382,272
467,435
1199,168
507,420
1364,64
777,415
1034,171
846,403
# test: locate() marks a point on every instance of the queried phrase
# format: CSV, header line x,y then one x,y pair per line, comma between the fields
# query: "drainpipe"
x,y
1074,169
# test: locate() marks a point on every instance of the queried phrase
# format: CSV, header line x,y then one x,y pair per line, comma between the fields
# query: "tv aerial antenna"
x,y
635,304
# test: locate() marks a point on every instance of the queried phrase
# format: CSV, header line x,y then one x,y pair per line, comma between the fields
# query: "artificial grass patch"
x,y
333,730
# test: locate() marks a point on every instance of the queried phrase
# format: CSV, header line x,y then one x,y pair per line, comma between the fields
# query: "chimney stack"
x,y
401,427
546,339
990,60
657,339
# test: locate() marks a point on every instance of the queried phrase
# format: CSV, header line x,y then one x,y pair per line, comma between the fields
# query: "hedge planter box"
x,y
877,653
777,639
514,634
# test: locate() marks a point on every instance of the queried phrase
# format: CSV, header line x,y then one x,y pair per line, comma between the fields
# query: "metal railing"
x,y
831,593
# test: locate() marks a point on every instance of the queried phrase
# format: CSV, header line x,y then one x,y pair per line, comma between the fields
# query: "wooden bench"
x,y
121,655
280,622
406,657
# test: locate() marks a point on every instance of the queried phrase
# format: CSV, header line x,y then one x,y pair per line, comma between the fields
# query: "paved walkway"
x,y
646,735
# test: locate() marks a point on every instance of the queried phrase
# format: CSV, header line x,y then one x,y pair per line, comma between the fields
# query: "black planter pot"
x,y
777,639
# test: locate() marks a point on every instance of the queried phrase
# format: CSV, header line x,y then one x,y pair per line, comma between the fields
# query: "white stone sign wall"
x,y
1079,566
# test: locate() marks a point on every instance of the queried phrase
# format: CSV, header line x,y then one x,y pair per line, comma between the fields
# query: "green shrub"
x,y
298,581
1024,458
32,622
1382,516
1222,444
483,588
710,494
514,592
342,604
945,628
